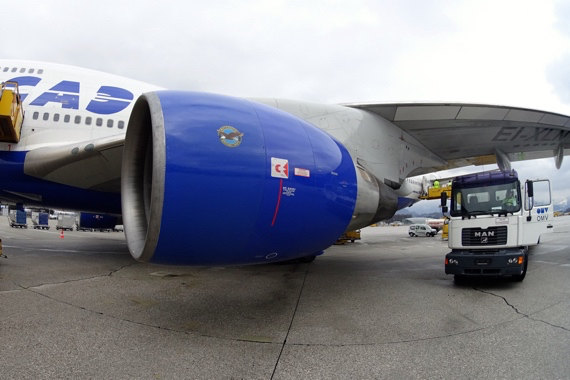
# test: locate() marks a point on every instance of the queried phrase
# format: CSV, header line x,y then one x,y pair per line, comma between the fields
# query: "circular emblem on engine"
x,y
229,136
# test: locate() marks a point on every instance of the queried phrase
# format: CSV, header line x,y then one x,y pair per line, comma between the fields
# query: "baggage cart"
x,y
96,222
17,219
40,220
65,222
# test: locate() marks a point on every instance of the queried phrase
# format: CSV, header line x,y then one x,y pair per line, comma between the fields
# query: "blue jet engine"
x,y
215,180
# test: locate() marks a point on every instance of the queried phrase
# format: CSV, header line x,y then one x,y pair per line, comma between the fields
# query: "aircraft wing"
x,y
94,165
477,134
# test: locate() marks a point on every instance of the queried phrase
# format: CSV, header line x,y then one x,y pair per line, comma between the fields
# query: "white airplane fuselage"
x,y
63,103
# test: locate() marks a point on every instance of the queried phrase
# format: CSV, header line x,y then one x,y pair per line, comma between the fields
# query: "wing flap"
x,y
94,165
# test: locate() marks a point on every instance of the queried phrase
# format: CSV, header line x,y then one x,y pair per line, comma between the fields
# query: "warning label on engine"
x,y
288,191
302,172
279,167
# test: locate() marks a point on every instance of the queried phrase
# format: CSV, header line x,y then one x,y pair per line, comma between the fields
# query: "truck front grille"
x,y
477,236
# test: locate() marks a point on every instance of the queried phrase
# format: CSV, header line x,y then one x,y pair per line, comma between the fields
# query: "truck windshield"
x,y
491,199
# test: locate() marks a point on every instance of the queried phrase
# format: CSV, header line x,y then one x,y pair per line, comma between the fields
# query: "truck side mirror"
x,y
530,195
530,189
443,202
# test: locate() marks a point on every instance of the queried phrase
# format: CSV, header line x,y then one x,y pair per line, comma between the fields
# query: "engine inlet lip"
x,y
142,178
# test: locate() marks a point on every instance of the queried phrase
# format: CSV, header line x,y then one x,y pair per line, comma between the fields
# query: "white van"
x,y
421,230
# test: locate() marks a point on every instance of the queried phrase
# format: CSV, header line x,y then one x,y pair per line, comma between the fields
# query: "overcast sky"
x,y
513,53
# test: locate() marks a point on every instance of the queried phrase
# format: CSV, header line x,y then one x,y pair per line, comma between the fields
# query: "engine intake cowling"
x,y
215,180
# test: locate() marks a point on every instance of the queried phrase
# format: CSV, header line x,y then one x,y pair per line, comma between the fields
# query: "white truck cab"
x,y
493,220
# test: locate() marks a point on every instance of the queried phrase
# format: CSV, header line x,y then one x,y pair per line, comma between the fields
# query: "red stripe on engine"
x,y
278,202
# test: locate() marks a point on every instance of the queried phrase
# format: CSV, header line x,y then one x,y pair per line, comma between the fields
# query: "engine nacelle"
x,y
215,180
375,201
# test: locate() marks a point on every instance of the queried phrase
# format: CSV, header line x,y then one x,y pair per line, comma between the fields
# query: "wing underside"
x,y
474,134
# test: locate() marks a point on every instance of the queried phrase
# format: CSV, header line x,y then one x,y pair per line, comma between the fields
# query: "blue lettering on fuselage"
x,y
109,99
65,92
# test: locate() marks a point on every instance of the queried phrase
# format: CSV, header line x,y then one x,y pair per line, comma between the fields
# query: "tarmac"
x,y
382,308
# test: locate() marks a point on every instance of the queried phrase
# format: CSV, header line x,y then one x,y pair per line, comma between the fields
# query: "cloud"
x,y
558,71
562,14
322,51
545,169
559,77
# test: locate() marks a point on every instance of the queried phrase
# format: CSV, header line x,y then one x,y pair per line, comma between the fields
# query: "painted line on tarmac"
x,y
551,263
63,250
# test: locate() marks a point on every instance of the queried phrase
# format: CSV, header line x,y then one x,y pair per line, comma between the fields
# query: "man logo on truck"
x,y
484,235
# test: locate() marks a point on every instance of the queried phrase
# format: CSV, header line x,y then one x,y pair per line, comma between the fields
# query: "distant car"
x,y
421,230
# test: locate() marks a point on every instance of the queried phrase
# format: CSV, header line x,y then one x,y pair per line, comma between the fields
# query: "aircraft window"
x,y
88,120
31,71
23,70
6,69
99,122
40,71
46,116
121,124
66,118
14,69
77,119
36,115
110,123
55,117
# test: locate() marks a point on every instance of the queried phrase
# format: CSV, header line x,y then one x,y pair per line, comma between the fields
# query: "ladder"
x,y
435,192
11,112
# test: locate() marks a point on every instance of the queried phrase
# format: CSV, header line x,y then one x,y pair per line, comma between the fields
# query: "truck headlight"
x,y
516,260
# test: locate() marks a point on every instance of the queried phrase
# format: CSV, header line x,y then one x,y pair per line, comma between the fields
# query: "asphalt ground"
x,y
382,307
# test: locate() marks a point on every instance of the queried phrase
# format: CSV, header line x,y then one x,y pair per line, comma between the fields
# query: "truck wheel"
x,y
459,279
411,234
